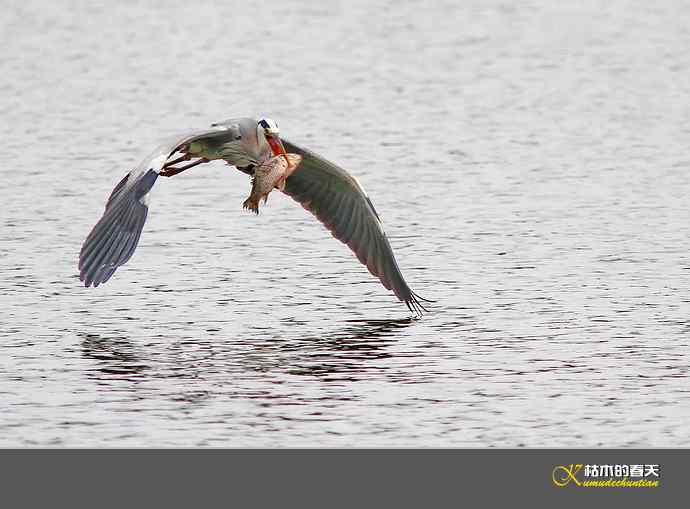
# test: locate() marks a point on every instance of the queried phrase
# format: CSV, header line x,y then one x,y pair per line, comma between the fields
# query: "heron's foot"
x,y
169,171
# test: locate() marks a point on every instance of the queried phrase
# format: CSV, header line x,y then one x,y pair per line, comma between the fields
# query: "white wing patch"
x,y
157,162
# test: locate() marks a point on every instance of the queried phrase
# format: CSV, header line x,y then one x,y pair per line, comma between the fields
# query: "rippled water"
x,y
530,164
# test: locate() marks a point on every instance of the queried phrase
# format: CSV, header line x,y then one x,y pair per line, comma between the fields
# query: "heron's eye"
x,y
269,126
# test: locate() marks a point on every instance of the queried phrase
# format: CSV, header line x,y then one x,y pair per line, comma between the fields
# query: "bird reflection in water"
x,y
117,357
339,354
346,353
118,360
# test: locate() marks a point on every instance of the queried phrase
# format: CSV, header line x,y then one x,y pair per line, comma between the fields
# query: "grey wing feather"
x,y
341,204
113,240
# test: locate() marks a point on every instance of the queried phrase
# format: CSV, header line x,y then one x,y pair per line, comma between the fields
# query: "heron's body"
x,y
269,175
323,188
242,144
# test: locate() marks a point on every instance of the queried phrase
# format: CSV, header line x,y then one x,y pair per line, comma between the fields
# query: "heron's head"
x,y
269,129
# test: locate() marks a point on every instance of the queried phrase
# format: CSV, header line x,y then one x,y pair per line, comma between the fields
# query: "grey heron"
x,y
326,190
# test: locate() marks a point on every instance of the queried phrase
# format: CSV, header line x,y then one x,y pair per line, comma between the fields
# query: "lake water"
x,y
530,163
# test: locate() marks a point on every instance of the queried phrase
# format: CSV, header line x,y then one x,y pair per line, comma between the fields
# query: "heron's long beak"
x,y
277,147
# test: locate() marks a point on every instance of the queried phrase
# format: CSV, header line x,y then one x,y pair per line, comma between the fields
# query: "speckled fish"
x,y
269,175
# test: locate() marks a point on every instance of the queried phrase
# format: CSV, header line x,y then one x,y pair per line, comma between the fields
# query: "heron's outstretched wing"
x,y
338,200
113,240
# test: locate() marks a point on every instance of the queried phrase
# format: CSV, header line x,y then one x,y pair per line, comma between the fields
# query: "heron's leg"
x,y
169,172
185,157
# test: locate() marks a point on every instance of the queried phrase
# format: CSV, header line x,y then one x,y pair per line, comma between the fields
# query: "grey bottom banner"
x,y
344,478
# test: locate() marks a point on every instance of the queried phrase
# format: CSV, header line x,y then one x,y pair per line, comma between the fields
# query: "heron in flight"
x,y
327,191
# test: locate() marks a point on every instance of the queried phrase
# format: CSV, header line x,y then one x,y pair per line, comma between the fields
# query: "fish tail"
x,y
251,204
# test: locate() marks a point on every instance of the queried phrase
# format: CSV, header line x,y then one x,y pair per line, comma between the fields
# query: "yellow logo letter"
x,y
562,475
